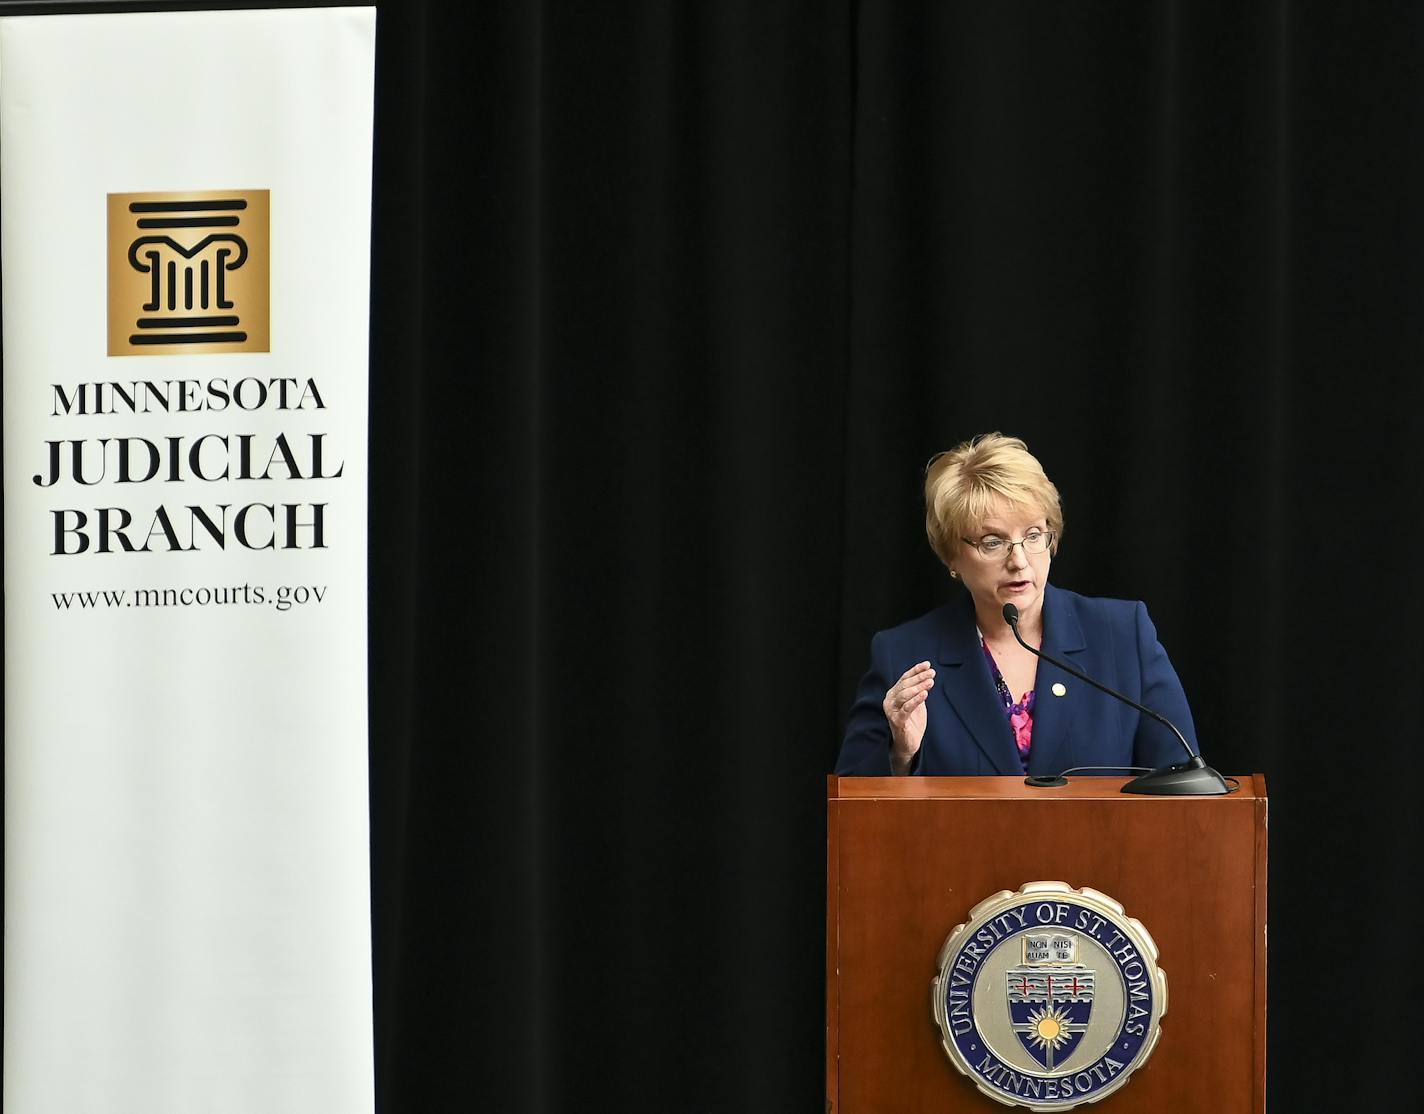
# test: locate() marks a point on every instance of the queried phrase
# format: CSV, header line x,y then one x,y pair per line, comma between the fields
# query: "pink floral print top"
x,y
1020,713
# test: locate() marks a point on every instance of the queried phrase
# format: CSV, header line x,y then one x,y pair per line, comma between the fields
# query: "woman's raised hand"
x,y
906,713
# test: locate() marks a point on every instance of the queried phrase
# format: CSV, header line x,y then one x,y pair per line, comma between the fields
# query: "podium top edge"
x,y
1079,788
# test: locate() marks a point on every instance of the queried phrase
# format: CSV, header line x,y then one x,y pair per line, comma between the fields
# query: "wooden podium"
x,y
908,857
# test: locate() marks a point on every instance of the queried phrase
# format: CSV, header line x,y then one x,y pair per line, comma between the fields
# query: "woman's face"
x,y
1011,576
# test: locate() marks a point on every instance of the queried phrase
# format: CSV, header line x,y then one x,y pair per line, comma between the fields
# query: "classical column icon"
x,y
188,272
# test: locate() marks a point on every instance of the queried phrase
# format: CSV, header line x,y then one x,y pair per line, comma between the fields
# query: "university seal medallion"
x,y
1050,997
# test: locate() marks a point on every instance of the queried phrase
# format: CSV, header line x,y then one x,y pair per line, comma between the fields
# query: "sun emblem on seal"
x,y
1049,997
1048,1029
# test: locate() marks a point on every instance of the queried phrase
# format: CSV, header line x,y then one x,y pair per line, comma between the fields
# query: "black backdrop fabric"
x,y
672,302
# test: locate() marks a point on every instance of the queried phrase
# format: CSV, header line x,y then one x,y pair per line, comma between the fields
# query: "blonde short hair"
x,y
962,486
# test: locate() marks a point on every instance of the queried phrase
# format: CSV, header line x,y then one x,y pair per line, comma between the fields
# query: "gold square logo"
x,y
189,272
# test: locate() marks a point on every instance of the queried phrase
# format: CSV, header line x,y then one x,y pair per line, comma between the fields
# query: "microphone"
x,y
1190,778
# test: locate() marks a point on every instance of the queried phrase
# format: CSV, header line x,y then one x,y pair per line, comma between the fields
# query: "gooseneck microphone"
x,y
1190,778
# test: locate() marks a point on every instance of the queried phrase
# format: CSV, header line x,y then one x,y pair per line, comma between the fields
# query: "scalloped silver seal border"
x,y
1113,911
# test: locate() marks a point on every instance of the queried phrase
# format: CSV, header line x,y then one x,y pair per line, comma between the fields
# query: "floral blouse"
x,y
1020,714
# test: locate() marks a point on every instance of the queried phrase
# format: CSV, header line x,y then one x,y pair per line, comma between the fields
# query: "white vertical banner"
x,y
185,224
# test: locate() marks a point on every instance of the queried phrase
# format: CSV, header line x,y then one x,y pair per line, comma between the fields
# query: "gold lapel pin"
x,y
1060,689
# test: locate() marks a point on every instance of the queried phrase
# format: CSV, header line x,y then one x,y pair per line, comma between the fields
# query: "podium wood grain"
x,y
907,859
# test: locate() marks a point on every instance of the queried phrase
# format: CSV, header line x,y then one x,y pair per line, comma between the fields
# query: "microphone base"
x,y
1187,779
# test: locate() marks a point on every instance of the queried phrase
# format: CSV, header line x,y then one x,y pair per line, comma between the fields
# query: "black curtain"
x,y
673,304
609,377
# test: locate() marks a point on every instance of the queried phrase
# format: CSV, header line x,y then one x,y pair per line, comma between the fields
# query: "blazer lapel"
x,y
964,680
1054,716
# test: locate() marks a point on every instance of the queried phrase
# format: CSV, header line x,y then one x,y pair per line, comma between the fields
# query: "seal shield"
x,y
1050,1010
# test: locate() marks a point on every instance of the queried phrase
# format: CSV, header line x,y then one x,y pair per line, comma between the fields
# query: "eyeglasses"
x,y
991,546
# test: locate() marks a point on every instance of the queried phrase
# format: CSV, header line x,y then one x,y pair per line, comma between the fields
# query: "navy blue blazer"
x,y
966,729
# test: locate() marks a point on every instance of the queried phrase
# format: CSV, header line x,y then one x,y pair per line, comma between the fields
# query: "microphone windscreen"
x,y
1011,615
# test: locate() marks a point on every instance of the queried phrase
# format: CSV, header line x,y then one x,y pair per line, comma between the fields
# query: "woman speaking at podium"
x,y
953,692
